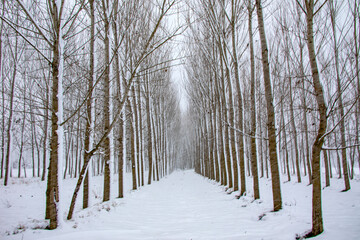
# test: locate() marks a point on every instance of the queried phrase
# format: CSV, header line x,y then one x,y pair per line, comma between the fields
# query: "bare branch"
x,y
320,7
33,22
301,7
22,36
337,124
339,148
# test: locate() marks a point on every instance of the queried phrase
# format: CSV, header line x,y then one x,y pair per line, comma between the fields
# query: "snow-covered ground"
x,y
183,205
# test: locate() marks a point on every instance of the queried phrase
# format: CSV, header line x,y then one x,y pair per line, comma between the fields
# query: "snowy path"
x,y
182,206
185,205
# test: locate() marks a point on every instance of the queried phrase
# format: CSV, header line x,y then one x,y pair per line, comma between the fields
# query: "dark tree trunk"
x,y
106,85
254,167
317,222
270,113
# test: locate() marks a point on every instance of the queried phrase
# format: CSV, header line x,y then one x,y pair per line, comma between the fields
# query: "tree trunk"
x,y
254,167
226,128
327,174
34,134
270,112
156,150
89,119
3,99
240,136
136,133
356,43
141,134
292,119
224,177
261,137
121,159
121,137
132,145
148,121
212,153
22,141
305,121
317,222
216,144
56,148
339,98
106,85
330,167
45,139
285,142
303,98
10,121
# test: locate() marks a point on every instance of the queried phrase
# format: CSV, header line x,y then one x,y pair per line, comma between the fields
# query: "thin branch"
x,y
301,7
320,7
337,124
21,35
339,148
33,22
243,133
73,19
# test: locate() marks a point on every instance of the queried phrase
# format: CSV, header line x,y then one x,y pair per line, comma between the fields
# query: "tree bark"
x,y
22,142
216,144
254,164
339,98
317,222
52,192
11,111
239,136
121,159
277,201
89,120
327,173
45,140
136,133
292,119
140,134
132,145
212,153
156,169
224,177
304,105
106,85
149,134
3,99
224,109
282,126
356,44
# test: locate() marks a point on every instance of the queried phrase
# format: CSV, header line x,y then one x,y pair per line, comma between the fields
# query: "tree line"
x,y
86,91
274,90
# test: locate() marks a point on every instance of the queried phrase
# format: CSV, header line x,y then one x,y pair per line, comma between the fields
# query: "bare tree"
x,y
317,221
275,178
254,168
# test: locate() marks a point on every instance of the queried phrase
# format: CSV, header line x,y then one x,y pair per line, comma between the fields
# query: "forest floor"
x,y
183,205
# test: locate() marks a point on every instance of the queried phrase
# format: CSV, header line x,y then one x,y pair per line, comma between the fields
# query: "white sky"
x,y
178,75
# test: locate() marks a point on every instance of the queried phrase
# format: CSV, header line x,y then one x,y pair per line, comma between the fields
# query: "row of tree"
x,y
272,96
86,91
